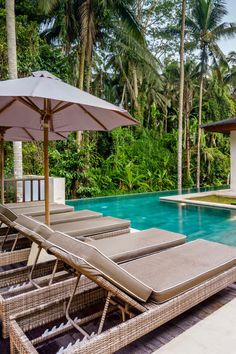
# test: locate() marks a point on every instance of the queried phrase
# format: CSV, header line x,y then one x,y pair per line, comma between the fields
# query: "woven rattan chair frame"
x,y
111,340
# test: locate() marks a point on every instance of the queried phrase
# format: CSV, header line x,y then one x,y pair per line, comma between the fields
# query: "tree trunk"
x,y
81,66
188,157
165,128
199,133
135,90
12,68
181,95
123,96
135,82
81,83
89,76
188,102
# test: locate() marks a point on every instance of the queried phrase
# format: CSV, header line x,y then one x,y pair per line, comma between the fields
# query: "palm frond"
x,y
46,6
218,11
87,26
123,10
224,30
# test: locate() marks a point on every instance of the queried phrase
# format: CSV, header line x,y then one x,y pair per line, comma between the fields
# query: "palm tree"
x,y
206,27
81,21
136,68
230,75
12,68
190,83
181,97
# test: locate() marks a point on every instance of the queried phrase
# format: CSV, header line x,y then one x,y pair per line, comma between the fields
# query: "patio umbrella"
x,y
21,134
44,102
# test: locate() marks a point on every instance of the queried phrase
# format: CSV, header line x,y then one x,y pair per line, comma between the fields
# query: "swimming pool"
x,y
146,211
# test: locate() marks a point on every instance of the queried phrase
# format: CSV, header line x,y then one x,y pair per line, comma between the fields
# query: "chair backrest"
x,y
7,216
32,229
88,260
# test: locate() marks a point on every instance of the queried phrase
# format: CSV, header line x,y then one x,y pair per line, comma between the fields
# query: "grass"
x,y
215,199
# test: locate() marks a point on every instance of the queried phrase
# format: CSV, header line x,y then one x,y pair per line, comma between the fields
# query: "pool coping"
x,y
183,199
143,193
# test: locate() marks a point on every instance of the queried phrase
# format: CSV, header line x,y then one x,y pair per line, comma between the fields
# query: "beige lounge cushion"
x,y
92,227
32,229
178,269
91,262
133,245
7,216
71,216
40,210
75,228
25,204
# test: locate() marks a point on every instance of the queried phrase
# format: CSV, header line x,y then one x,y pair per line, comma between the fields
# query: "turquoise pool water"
x,y
146,210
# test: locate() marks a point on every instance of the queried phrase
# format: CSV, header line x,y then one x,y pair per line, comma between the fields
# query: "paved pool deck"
x,y
213,335
184,198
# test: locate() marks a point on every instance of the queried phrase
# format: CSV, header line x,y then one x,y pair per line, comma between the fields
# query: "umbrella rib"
x,y
57,106
28,104
7,105
32,103
127,117
61,135
92,116
63,107
28,133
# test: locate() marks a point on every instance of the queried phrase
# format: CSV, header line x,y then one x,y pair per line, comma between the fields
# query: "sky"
x,y
229,44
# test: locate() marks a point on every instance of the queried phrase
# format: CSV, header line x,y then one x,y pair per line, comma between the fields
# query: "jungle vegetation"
x,y
127,52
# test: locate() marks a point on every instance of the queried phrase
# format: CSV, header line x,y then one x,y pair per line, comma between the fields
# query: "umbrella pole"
x,y
46,172
2,167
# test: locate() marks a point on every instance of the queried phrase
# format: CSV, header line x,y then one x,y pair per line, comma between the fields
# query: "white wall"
x,y
233,160
56,190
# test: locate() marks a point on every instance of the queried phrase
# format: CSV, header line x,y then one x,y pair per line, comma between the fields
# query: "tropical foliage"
x,y
126,52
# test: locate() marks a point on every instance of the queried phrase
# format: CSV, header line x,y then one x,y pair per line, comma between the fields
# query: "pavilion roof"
x,y
221,126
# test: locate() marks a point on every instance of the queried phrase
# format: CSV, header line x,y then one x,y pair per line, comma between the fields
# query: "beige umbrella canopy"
x,y
44,102
21,134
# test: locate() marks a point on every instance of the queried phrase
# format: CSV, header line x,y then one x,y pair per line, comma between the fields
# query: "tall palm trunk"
x,y
187,124
81,66
135,82
199,132
181,96
81,81
12,68
89,76
135,90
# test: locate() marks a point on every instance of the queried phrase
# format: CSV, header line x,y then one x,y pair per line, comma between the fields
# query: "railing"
x,y
24,189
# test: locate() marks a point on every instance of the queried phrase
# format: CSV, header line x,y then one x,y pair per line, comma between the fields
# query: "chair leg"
x,y
109,295
53,272
5,238
15,242
32,269
85,334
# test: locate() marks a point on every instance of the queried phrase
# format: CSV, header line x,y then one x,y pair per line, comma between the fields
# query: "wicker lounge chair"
x,y
138,244
40,209
72,216
17,248
10,211
27,286
90,226
25,204
147,292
